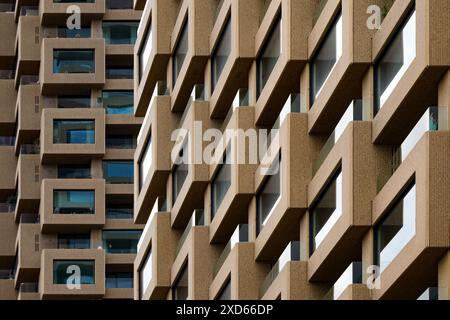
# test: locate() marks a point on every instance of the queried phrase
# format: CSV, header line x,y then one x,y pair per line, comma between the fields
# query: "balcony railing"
x,y
7,7
352,275
29,218
197,94
29,11
7,207
434,293
73,210
29,287
7,74
161,89
357,111
239,235
7,140
198,219
434,119
295,251
6,274
30,149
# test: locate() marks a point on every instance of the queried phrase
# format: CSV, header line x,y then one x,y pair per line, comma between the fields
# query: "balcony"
x,y
348,164
155,256
69,133
28,111
339,61
229,64
72,204
71,64
55,11
196,257
7,91
190,172
420,65
28,44
152,159
9,163
190,49
288,279
151,54
407,211
234,265
351,285
28,245
8,229
280,202
28,178
59,270
8,34
278,61
232,176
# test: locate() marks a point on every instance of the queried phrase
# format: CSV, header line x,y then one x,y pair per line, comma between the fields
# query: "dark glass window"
x,y
118,102
120,32
220,54
268,57
73,201
74,171
73,131
120,172
121,241
221,182
73,61
63,269
180,289
81,101
119,280
180,52
120,142
74,241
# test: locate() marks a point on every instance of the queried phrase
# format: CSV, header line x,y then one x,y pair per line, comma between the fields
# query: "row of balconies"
x,y
366,182
180,46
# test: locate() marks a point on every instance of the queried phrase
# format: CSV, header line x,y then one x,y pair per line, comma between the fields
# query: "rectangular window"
x,y
119,73
120,172
145,162
180,172
74,201
220,54
326,58
74,241
225,293
69,102
394,62
180,289
73,131
120,142
146,272
118,102
396,229
119,211
120,32
63,269
326,211
119,4
268,57
119,280
73,61
269,195
121,241
221,182
74,171
180,51
145,51
83,32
